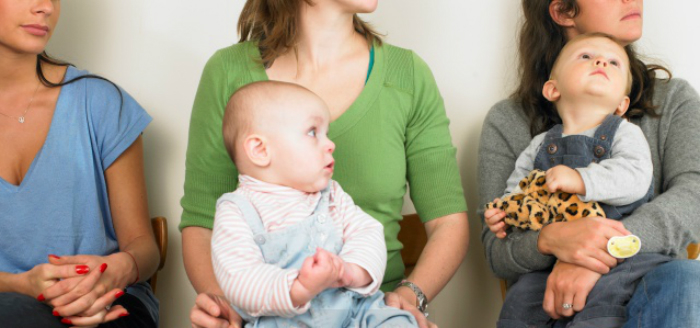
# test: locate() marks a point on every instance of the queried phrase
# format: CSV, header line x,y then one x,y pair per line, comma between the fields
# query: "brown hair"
x,y
274,24
540,41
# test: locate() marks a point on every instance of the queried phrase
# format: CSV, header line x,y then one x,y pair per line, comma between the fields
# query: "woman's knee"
x,y
18,310
667,297
679,276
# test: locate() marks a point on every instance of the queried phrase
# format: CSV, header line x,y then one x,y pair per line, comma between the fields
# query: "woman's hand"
x,y
89,295
213,311
100,317
404,299
43,276
582,242
568,284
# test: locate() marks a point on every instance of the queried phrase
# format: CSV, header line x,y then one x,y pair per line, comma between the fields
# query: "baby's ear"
x,y
255,147
550,91
623,106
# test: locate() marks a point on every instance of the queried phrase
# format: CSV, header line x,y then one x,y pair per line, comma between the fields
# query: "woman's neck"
x,y
326,36
17,70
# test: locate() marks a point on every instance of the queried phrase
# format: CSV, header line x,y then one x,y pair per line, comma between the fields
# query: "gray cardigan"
x,y
667,224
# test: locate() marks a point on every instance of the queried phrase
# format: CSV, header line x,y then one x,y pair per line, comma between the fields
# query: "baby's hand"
x,y
494,219
566,179
321,271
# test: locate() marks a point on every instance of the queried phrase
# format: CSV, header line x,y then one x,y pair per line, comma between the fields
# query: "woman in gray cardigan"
x,y
668,112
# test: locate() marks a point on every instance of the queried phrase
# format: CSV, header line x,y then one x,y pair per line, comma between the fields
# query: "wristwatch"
x,y
420,297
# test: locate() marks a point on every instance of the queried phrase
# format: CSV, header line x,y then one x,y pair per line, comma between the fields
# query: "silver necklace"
x,y
21,118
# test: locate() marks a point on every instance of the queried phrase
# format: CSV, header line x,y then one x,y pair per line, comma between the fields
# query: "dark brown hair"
x,y
540,41
45,58
274,24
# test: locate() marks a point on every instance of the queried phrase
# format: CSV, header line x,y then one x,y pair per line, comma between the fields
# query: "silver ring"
x,y
567,306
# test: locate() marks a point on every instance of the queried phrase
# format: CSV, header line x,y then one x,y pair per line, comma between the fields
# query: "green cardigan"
x,y
395,132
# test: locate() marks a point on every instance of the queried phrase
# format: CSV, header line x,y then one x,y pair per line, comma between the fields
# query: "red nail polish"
x,y
125,314
66,321
40,298
103,267
55,314
82,269
119,294
55,256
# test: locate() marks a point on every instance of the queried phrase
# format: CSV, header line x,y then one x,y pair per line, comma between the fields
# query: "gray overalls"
x,y
288,248
606,305
577,151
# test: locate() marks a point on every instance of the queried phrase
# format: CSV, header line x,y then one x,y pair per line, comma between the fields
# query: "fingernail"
x,y
55,314
55,256
103,267
125,314
66,321
119,294
82,269
40,298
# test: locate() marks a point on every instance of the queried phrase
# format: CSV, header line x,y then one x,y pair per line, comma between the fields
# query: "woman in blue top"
x,y
75,238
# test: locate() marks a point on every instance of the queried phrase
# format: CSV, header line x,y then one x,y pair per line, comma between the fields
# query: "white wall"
x,y
156,50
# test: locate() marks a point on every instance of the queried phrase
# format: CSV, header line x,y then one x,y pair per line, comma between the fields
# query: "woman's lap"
x,y
668,296
22,311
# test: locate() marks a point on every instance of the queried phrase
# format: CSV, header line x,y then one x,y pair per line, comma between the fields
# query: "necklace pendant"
x,y
21,119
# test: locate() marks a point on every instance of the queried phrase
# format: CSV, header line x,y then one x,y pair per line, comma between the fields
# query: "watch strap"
x,y
420,297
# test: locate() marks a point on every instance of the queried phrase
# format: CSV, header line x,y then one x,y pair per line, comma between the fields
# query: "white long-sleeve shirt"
x,y
262,289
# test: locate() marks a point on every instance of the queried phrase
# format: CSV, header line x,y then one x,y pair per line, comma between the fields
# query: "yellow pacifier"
x,y
623,247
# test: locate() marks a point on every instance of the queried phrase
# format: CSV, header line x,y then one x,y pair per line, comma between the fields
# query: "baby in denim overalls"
x,y
599,156
289,246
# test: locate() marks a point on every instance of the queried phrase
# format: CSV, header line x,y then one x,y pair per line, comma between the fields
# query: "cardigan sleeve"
x,y
433,175
209,170
670,221
504,135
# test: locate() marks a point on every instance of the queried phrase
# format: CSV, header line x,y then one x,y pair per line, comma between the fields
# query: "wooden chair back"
x,y
160,229
413,237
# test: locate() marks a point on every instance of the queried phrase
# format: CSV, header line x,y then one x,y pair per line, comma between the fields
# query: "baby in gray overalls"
x,y
599,156
289,246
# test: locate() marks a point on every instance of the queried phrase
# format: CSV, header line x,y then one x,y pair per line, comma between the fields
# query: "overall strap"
x,y
250,214
606,131
323,203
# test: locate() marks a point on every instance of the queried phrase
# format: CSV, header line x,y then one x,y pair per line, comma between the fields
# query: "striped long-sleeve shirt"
x,y
262,289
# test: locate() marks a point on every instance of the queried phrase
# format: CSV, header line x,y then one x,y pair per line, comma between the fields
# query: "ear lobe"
x,y
550,91
564,19
256,150
622,108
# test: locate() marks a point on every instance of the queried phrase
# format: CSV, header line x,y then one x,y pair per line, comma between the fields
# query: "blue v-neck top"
x,y
61,206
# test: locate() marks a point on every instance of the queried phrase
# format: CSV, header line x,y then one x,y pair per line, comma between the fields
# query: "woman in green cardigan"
x,y
389,126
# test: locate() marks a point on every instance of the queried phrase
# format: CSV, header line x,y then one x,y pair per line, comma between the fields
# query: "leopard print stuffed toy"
x,y
536,207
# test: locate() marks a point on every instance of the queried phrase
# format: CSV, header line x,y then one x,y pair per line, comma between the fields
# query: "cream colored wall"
x,y
156,50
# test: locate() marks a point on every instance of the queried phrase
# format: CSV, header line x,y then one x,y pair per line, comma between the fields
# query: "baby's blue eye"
x,y
614,63
311,133
586,56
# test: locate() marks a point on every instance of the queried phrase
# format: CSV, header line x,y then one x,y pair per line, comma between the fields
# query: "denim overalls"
x,y
577,151
606,304
288,248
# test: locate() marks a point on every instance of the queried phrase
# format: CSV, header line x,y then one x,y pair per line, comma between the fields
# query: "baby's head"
x,y
593,69
277,132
